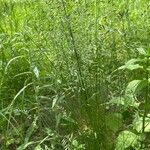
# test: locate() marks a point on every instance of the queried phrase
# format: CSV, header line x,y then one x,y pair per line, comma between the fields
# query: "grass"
x,y
56,63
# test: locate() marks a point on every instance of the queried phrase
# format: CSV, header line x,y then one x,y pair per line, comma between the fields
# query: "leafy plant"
x,y
141,120
127,139
55,59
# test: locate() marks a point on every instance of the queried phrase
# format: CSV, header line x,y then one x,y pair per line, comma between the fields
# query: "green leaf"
x,y
124,101
114,121
148,68
126,139
134,67
117,101
38,147
130,101
138,124
30,131
142,51
24,146
135,86
75,143
131,65
56,100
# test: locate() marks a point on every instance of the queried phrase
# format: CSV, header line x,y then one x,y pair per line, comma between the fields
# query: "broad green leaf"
x,y
141,51
132,86
126,139
138,124
132,61
131,65
135,86
114,121
130,101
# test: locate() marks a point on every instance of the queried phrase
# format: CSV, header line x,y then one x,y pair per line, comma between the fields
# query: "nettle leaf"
x,y
114,121
127,139
135,86
138,124
131,65
141,51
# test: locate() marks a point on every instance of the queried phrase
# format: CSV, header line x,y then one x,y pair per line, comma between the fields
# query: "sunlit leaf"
x,y
126,139
131,65
56,100
38,147
135,86
138,124
141,51
125,101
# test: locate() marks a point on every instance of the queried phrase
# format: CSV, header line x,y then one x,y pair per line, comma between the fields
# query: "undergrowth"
x,y
61,84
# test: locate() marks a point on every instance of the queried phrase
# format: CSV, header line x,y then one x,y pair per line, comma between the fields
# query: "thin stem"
x,y
74,48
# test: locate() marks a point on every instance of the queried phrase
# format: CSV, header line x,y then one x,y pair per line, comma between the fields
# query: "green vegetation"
x,y
74,75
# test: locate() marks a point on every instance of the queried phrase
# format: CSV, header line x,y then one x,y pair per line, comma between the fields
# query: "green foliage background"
x,y
57,71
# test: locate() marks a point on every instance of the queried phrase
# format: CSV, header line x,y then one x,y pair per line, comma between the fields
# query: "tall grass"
x,y
56,63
